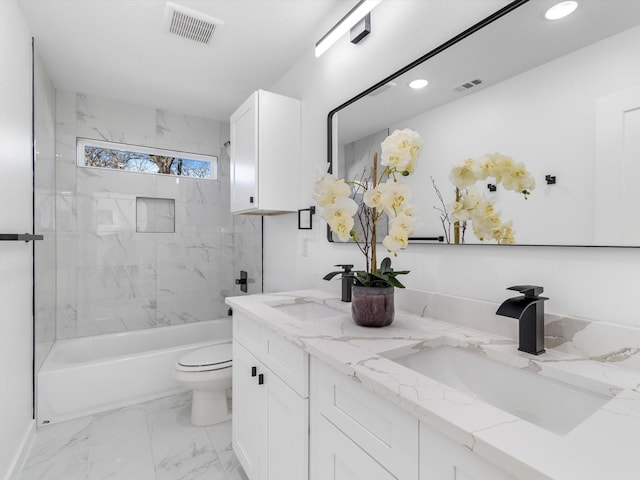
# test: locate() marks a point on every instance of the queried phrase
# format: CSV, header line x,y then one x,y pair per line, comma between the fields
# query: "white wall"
x,y
15,216
595,283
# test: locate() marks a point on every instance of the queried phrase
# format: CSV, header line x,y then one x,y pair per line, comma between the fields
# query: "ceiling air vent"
x,y
463,87
188,23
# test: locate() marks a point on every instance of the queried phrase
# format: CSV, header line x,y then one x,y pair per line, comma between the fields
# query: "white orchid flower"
x,y
401,149
328,188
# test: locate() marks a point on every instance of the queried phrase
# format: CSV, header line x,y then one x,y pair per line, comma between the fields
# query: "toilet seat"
x,y
213,357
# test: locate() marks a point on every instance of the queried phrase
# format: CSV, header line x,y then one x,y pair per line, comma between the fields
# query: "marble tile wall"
x,y
45,211
112,278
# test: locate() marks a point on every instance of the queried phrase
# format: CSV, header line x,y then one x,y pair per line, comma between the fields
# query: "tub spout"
x,y
529,310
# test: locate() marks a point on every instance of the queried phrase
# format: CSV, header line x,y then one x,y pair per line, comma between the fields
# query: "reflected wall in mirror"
x,y
561,98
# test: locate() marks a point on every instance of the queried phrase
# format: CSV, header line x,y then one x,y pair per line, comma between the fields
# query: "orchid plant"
x,y
380,193
473,208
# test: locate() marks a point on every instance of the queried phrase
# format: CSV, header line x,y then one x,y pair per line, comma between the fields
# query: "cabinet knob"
x,y
260,379
254,371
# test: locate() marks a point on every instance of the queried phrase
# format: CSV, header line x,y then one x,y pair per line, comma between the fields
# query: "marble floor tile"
x,y
181,450
119,425
127,458
150,441
220,436
59,451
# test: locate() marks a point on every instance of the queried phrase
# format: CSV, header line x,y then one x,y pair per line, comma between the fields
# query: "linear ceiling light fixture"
x,y
356,14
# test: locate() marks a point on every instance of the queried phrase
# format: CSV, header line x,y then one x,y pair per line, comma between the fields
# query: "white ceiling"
x,y
118,49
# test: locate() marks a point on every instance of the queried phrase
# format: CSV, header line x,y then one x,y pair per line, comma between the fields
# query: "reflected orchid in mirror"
x,y
367,198
475,209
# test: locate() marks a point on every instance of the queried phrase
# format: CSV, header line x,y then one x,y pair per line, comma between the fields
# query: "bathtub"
x,y
88,375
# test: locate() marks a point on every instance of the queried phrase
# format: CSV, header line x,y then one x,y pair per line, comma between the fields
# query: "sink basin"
x,y
551,404
307,310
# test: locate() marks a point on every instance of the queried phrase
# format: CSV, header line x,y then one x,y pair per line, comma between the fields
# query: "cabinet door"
x,y
286,441
244,156
248,417
443,459
339,458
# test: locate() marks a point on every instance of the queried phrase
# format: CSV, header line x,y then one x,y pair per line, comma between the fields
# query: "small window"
x,y
133,158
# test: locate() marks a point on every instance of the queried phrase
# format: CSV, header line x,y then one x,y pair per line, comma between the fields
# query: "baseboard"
x,y
23,452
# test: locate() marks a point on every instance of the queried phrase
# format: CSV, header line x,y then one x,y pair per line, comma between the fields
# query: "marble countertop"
x,y
604,445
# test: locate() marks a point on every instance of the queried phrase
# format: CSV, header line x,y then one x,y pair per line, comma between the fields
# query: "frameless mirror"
x,y
561,97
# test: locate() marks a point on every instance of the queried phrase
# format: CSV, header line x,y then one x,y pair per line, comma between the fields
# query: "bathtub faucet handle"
x,y
242,281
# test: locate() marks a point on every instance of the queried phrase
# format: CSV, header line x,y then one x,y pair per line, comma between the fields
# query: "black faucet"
x,y
529,310
347,280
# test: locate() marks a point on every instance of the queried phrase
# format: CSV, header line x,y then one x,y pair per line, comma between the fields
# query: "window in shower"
x,y
134,158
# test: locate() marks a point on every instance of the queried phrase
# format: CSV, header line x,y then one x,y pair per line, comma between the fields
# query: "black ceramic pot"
x,y
372,306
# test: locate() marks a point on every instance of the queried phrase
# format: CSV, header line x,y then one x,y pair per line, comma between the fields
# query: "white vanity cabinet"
x,y
265,155
356,434
340,458
270,425
296,417
443,459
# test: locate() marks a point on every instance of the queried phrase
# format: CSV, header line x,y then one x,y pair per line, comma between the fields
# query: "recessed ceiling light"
x,y
418,84
561,10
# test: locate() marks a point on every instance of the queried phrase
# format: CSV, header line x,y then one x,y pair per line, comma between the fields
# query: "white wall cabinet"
x,y
265,155
270,417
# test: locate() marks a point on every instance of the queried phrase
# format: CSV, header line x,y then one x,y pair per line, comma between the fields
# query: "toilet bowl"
x,y
207,371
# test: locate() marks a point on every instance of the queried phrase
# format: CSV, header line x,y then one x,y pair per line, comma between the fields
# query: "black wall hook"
x,y
550,179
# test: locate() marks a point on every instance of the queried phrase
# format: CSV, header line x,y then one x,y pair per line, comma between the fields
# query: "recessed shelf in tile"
x,y
155,215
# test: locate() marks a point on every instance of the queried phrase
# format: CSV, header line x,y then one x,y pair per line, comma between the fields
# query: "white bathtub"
x,y
83,376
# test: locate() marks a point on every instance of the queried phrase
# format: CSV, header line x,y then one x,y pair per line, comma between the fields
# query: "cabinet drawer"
x,y
383,430
246,331
341,459
444,459
288,361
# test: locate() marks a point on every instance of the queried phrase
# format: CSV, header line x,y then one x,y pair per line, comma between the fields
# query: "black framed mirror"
x,y
561,97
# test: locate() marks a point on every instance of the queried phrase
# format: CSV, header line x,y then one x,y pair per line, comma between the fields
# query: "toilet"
x,y
207,371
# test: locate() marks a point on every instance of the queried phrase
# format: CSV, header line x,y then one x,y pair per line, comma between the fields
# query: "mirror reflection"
x,y
531,129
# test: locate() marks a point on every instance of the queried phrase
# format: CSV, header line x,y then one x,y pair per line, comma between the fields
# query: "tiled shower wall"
x,y
112,278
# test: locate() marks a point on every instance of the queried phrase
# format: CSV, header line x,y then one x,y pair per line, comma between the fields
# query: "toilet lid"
x,y
214,357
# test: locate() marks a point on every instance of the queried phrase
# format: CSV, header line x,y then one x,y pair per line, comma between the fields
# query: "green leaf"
x,y
363,279
381,276
385,266
394,281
